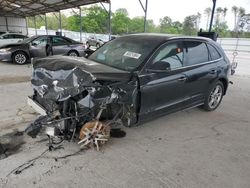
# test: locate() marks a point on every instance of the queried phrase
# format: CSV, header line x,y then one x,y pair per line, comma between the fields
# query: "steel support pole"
x,y
34,20
46,25
110,27
80,24
60,22
145,17
6,21
212,16
26,22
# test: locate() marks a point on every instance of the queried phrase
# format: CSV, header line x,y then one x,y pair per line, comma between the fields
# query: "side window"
x,y
195,53
41,41
7,37
214,54
19,36
172,54
59,41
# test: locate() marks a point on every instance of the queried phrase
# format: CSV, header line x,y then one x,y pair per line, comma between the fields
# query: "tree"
x,y
190,24
235,11
95,20
165,24
73,23
120,21
208,12
136,25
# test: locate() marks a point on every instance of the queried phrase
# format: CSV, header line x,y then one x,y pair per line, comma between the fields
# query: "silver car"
x,y
40,46
10,38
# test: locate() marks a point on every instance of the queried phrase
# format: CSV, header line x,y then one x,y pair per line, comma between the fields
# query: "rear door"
x,y
164,91
200,70
60,45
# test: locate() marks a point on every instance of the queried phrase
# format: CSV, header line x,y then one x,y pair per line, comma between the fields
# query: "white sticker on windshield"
x,y
132,55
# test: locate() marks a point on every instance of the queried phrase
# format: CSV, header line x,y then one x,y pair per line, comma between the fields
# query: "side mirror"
x,y
33,44
159,66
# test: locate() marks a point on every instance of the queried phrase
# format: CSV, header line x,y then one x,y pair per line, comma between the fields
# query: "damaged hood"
x,y
98,70
58,78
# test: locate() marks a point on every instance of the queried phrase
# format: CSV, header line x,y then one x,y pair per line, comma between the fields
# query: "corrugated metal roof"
x,y
24,8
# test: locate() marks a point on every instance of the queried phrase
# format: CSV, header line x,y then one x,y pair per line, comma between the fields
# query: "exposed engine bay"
x,y
79,98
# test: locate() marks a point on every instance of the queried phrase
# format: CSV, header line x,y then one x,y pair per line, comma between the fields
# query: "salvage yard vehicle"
x,y
40,46
129,80
10,38
96,41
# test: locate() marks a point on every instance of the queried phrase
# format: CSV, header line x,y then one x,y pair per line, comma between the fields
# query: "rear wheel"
x,y
214,96
20,58
73,53
87,45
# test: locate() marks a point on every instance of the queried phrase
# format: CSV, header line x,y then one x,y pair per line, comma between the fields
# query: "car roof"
x,y
165,37
12,34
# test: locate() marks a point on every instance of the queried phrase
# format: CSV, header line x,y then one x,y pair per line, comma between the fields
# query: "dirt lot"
x,y
191,148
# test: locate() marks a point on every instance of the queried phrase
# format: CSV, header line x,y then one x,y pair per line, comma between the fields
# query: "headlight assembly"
x,y
4,49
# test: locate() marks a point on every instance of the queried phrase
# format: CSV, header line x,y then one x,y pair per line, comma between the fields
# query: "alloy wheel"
x,y
215,97
20,58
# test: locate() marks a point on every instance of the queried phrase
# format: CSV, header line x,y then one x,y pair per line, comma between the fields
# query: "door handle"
x,y
182,79
213,71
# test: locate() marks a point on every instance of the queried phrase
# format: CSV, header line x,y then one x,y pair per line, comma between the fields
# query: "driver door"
x,y
38,47
163,90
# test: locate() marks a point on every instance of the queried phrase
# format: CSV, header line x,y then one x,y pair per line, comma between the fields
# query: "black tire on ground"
x,y
19,58
214,96
73,53
87,45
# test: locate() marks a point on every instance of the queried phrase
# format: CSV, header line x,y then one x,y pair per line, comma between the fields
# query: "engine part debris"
x,y
95,134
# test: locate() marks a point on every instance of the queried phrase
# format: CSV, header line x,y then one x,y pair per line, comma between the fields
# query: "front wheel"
x,y
214,96
19,57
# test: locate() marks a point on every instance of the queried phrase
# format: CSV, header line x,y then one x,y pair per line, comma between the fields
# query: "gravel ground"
x,y
191,148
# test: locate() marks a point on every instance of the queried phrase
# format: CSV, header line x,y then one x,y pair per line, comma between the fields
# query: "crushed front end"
x,y
76,99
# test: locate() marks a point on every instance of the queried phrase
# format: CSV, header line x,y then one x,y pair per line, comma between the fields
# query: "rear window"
x,y
196,52
214,54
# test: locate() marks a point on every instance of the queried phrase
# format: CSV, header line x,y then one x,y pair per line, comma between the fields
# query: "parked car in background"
x,y
10,38
96,41
40,46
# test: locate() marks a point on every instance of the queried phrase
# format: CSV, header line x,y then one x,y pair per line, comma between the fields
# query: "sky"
x,y
178,9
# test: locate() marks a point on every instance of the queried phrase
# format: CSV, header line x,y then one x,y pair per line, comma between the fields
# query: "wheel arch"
x,y
73,50
224,81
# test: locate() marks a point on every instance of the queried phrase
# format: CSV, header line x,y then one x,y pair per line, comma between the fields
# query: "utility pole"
x,y
212,15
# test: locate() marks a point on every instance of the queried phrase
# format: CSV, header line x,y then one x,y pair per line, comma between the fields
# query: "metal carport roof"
x,y
26,8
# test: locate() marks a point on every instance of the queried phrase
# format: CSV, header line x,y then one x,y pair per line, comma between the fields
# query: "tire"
x,y
98,45
87,45
73,53
19,58
214,96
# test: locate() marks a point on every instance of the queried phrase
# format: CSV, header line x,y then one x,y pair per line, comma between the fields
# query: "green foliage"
x,y
190,25
96,20
120,22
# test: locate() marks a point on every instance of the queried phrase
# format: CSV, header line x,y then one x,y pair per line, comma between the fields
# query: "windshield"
x,y
125,53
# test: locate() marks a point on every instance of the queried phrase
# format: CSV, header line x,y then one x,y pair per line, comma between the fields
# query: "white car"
x,y
10,38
